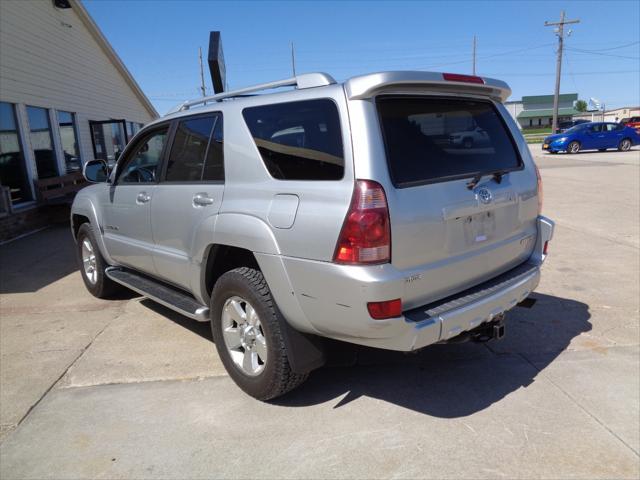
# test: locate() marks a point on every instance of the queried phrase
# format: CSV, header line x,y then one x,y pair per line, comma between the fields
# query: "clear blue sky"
x,y
158,41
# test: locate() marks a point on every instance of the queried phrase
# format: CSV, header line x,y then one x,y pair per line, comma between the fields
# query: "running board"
x,y
158,292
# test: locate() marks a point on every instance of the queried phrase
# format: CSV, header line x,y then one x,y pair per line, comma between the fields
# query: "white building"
x,y
65,96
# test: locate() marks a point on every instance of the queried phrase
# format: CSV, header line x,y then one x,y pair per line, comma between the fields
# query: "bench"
x,y
60,189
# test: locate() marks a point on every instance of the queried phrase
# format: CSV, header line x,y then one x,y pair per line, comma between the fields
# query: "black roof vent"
x,y
61,4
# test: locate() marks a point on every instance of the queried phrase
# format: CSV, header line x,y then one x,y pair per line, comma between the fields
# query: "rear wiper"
x,y
474,181
497,176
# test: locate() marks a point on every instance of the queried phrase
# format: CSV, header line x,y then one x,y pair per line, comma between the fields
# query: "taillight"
x,y
539,189
365,237
458,77
386,309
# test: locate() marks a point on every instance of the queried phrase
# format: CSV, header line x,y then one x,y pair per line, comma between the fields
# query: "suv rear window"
x,y
298,140
434,139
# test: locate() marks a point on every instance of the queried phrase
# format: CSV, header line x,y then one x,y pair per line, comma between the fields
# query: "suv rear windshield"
x,y
298,140
434,139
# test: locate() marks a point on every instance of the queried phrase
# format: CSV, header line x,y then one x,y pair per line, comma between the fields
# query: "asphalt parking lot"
x,y
126,388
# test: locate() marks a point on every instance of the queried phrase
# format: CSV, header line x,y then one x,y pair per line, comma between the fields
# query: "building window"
x,y
69,140
13,170
539,121
41,142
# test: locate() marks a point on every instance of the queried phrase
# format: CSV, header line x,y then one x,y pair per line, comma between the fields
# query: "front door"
x,y
188,198
127,226
594,137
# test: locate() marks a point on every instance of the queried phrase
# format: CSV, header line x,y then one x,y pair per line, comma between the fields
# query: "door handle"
x,y
143,197
202,199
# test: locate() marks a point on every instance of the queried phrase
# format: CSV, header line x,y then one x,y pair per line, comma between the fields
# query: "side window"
x,y
141,166
187,158
597,128
298,140
214,166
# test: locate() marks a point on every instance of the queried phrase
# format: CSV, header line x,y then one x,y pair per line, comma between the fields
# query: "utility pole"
x,y
474,54
560,33
293,60
202,87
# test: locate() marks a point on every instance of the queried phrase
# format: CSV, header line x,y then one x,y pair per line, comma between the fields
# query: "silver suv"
x,y
349,211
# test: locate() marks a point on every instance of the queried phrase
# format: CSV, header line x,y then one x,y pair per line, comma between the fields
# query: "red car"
x,y
633,122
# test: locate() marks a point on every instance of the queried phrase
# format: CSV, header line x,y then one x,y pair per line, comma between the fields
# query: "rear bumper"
x,y
333,300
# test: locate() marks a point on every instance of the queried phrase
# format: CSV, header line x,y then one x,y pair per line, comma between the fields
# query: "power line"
x,y
593,52
613,48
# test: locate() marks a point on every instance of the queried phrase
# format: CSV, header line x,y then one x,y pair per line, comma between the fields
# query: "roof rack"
x,y
306,80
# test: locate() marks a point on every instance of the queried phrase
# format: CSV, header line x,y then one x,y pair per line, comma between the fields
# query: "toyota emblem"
x,y
484,194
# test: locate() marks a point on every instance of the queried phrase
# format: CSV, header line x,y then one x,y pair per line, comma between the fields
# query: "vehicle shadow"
x,y
453,380
202,329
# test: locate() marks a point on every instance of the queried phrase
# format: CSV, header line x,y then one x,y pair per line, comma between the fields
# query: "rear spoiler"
x,y
367,86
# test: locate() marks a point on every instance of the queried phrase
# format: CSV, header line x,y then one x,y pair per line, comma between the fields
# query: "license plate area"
x,y
479,228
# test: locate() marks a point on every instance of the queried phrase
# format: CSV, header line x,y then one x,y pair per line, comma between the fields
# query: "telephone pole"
x,y
560,33
293,60
202,87
474,54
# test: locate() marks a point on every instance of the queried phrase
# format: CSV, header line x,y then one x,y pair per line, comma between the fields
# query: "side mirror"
x,y
96,171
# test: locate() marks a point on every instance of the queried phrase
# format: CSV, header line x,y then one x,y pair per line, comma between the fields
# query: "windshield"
x,y
433,139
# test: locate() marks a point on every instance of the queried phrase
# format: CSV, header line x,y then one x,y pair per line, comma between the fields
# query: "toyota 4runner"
x,y
348,211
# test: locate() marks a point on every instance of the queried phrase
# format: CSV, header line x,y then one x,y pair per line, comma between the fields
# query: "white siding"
x,y
49,58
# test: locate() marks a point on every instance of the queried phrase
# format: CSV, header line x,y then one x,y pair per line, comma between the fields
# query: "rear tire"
x,y
92,264
573,147
624,145
247,331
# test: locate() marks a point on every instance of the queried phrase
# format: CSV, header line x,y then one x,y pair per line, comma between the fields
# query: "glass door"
x,y
109,138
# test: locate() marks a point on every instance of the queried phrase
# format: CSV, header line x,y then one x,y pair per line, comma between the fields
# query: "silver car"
x,y
324,210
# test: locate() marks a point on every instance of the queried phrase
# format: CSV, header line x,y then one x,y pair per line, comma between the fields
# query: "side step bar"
x,y
158,292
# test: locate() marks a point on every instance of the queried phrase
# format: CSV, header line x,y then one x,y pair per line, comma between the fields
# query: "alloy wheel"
x,y
243,336
89,262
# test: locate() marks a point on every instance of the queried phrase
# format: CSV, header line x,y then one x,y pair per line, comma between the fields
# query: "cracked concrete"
x,y
126,388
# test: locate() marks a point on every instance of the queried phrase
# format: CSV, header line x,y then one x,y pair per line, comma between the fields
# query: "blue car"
x,y
592,136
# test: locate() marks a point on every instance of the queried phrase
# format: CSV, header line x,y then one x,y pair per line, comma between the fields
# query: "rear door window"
x,y
298,140
435,139
190,144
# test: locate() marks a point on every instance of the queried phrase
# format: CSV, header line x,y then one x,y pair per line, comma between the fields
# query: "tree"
x,y
581,106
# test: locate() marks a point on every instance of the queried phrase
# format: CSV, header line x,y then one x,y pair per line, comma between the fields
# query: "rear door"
x,y
452,226
188,195
613,134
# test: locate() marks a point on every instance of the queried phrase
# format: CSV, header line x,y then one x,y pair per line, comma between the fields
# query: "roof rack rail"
x,y
306,80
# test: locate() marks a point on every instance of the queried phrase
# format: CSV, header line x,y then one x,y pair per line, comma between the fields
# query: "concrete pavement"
x,y
126,388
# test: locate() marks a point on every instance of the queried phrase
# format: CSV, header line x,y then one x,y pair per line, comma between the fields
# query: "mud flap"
x,y
305,352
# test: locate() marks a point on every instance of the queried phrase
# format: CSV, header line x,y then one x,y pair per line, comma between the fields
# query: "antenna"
x,y
293,59
202,86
